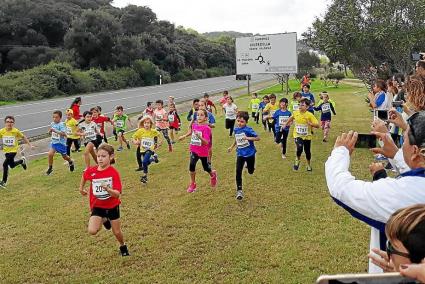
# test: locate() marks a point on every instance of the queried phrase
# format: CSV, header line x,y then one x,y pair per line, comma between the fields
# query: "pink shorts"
x,y
326,124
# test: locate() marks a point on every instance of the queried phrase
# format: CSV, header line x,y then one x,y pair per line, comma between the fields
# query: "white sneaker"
x,y
283,156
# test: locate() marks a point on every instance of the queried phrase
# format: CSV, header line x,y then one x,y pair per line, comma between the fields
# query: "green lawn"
x,y
286,230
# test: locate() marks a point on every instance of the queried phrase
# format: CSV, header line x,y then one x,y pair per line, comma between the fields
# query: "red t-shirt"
x,y
99,197
76,111
100,121
210,105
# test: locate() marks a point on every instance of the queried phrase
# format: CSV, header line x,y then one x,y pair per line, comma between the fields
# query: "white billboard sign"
x,y
275,53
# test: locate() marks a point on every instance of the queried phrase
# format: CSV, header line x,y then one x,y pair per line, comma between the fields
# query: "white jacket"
x,y
372,202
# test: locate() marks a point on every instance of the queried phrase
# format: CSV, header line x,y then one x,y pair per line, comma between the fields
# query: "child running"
x,y
231,110
325,118
193,110
161,122
148,110
261,108
223,100
100,120
281,117
270,109
174,121
10,137
146,140
105,191
72,136
295,102
211,124
120,122
89,131
254,104
58,142
304,122
200,134
245,152
209,103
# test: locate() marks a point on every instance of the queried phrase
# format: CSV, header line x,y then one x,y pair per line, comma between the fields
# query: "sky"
x,y
247,16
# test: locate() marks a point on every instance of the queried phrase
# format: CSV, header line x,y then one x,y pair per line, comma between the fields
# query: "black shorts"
x,y
229,123
96,143
111,214
120,131
177,129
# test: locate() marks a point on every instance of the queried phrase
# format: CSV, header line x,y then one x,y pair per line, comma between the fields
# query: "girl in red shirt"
x,y
100,120
174,121
105,192
75,106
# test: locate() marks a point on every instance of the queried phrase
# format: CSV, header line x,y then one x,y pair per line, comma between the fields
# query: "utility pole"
x,y
160,79
248,77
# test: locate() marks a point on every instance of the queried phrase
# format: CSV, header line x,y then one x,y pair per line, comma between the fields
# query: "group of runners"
x,y
157,124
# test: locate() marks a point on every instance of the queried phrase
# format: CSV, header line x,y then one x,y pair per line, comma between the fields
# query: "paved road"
x,y
33,118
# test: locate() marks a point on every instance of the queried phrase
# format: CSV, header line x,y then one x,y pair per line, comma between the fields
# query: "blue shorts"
x,y
59,148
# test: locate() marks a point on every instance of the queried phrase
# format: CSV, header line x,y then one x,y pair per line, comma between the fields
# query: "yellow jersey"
x,y
10,139
72,129
146,138
301,128
271,109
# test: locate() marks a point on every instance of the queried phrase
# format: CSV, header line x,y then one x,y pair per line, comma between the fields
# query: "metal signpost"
x,y
267,54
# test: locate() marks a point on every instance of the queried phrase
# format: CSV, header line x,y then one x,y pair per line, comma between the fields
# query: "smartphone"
x,y
420,56
366,141
381,114
381,278
397,104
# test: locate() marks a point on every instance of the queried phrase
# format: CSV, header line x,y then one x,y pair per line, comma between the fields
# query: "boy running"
x,y
58,142
271,108
281,117
10,137
120,122
72,136
245,152
209,103
254,103
326,107
261,108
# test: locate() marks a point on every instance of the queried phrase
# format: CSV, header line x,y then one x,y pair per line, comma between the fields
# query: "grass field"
x,y
286,230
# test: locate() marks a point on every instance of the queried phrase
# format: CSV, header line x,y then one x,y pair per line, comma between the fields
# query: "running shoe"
x,y
239,194
144,179
170,148
2,184
128,145
155,158
296,165
213,178
119,149
283,156
191,188
71,166
107,224
124,250
380,157
24,163
49,171
139,169
325,140
309,169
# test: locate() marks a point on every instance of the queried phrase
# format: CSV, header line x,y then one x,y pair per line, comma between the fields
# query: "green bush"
x,y
83,82
200,73
215,72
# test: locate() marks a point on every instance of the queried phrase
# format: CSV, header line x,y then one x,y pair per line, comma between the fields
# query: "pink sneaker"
x,y
213,178
191,188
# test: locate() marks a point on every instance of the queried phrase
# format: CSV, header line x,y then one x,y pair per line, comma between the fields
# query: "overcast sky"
x,y
247,16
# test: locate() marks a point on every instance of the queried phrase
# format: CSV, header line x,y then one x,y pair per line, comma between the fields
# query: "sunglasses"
x,y
391,250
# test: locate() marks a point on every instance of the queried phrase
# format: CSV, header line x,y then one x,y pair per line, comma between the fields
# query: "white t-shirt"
x,y
90,130
230,111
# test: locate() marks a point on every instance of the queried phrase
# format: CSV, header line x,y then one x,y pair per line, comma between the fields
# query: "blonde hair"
x,y
415,88
142,121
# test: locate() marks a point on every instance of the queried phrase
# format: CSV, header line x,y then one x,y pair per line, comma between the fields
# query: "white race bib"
x,y
230,113
119,123
159,117
97,186
283,119
195,140
241,140
147,143
301,129
55,136
9,141
68,131
171,118
254,106
296,107
326,107
90,134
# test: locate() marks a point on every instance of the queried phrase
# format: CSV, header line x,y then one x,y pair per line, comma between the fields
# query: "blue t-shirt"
x,y
380,99
211,118
262,105
327,109
309,96
280,117
55,137
245,148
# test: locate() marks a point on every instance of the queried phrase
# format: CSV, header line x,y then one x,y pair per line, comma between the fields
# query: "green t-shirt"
x,y
120,121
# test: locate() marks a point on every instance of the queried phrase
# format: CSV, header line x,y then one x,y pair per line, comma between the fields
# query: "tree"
x,y
93,37
307,61
137,19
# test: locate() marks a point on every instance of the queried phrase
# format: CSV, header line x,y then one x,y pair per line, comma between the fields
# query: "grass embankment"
x,y
286,230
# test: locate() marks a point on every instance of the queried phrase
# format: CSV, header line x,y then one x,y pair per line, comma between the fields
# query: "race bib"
x,y
283,119
90,134
230,112
326,107
68,131
55,136
119,123
254,106
296,107
147,143
97,186
195,140
241,140
9,141
171,118
272,113
159,117
301,129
